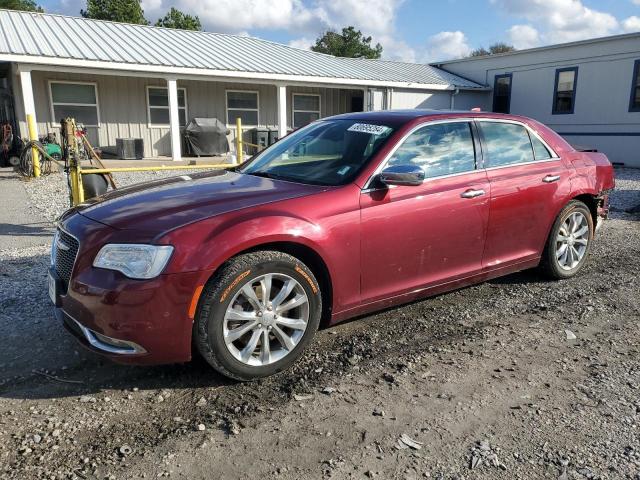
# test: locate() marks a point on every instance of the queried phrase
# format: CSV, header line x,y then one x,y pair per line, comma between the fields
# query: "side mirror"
x,y
406,175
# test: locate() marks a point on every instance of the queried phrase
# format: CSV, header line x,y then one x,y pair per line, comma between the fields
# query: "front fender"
x,y
208,244
333,233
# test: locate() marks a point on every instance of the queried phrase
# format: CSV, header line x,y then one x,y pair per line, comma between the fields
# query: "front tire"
x,y
257,315
569,241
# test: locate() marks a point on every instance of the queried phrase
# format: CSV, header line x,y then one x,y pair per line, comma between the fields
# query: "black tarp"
x,y
206,136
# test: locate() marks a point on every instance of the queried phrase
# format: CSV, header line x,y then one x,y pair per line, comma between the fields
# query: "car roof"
x,y
403,116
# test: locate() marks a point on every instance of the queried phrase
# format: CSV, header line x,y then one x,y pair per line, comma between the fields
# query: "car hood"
x,y
169,203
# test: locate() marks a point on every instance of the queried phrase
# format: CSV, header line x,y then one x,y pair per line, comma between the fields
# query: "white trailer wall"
x,y
601,117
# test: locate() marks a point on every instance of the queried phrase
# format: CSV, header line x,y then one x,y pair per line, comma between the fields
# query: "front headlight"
x,y
134,260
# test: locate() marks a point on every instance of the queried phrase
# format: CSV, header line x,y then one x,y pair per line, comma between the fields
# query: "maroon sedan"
x,y
348,215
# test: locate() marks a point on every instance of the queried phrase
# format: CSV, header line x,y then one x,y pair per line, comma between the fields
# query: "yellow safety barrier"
x,y
33,135
76,172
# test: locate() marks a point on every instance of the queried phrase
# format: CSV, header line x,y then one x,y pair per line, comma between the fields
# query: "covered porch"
x,y
114,104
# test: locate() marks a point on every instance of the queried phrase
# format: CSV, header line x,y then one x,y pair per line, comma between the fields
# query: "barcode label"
x,y
368,128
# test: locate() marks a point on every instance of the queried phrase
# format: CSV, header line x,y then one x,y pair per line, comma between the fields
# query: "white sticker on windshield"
x,y
368,128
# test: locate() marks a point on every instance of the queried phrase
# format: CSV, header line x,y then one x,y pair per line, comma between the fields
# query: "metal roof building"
x,y
82,66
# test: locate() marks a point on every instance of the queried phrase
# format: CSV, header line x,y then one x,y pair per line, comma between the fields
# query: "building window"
x,y
158,103
564,92
634,103
76,100
244,105
306,109
502,93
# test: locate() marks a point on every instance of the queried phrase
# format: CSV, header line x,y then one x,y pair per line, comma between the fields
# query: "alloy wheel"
x,y
572,241
266,319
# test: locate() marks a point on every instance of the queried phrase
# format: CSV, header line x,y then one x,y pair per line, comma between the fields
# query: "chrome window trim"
x,y
554,156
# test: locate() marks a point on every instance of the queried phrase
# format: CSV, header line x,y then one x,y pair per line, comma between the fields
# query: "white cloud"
x,y
562,20
523,36
631,24
235,16
305,18
635,2
303,43
446,45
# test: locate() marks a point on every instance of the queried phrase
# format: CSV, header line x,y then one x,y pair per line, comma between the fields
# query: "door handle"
x,y
551,178
472,193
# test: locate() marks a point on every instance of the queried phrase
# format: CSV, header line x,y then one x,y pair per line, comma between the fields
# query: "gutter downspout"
x,y
455,92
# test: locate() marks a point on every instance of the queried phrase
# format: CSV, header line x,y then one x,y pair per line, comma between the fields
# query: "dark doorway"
x,y
357,102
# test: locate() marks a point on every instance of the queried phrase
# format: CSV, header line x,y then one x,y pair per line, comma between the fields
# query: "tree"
x,y
22,5
350,43
125,11
494,49
176,19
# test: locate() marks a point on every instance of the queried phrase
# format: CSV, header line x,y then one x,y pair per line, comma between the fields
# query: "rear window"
x,y
506,144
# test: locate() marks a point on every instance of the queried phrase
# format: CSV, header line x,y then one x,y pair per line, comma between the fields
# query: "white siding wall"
x,y
123,106
605,71
438,100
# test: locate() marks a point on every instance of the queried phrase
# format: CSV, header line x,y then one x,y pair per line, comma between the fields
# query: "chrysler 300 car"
x,y
345,216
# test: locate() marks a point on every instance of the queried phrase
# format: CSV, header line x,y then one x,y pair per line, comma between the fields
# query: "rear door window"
x,y
440,149
505,144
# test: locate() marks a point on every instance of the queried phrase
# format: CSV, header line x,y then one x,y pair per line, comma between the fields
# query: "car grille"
x,y
65,257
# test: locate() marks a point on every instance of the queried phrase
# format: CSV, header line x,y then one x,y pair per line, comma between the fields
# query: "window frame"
x,y
226,107
52,104
495,82
293,107
530,131
635,85
477,151
554,110
478,147
149,107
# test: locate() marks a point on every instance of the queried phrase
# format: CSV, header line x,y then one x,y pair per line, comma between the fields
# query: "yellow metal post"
x,y
73,179
33,135
239,140
80,186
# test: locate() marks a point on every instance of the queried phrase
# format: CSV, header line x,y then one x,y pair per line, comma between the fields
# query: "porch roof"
x,y
47,39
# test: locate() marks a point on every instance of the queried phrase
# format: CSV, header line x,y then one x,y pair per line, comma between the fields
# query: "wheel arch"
x,y
307,255
591,201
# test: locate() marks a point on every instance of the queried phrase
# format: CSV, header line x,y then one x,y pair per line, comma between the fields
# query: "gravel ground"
x,y
49,195
516,378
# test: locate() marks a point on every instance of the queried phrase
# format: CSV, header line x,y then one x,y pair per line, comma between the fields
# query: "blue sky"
x,y
409,30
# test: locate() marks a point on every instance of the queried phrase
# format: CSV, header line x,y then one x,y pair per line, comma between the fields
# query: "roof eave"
x,y
163,71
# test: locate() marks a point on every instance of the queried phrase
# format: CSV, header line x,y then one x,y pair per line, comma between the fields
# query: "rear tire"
x,y
569,242
257,315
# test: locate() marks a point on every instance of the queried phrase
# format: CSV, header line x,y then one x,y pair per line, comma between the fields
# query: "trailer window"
x,y
564,94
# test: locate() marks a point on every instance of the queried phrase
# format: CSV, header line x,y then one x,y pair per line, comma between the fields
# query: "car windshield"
x,y
328,152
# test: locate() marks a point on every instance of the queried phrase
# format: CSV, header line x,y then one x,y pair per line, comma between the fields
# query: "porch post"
x,y
27,96
282,110
174,119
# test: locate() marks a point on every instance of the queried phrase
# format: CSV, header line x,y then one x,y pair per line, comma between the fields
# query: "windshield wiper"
x,y
272,176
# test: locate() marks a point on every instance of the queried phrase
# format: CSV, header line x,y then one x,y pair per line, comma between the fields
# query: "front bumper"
x,y
97,341
129,321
